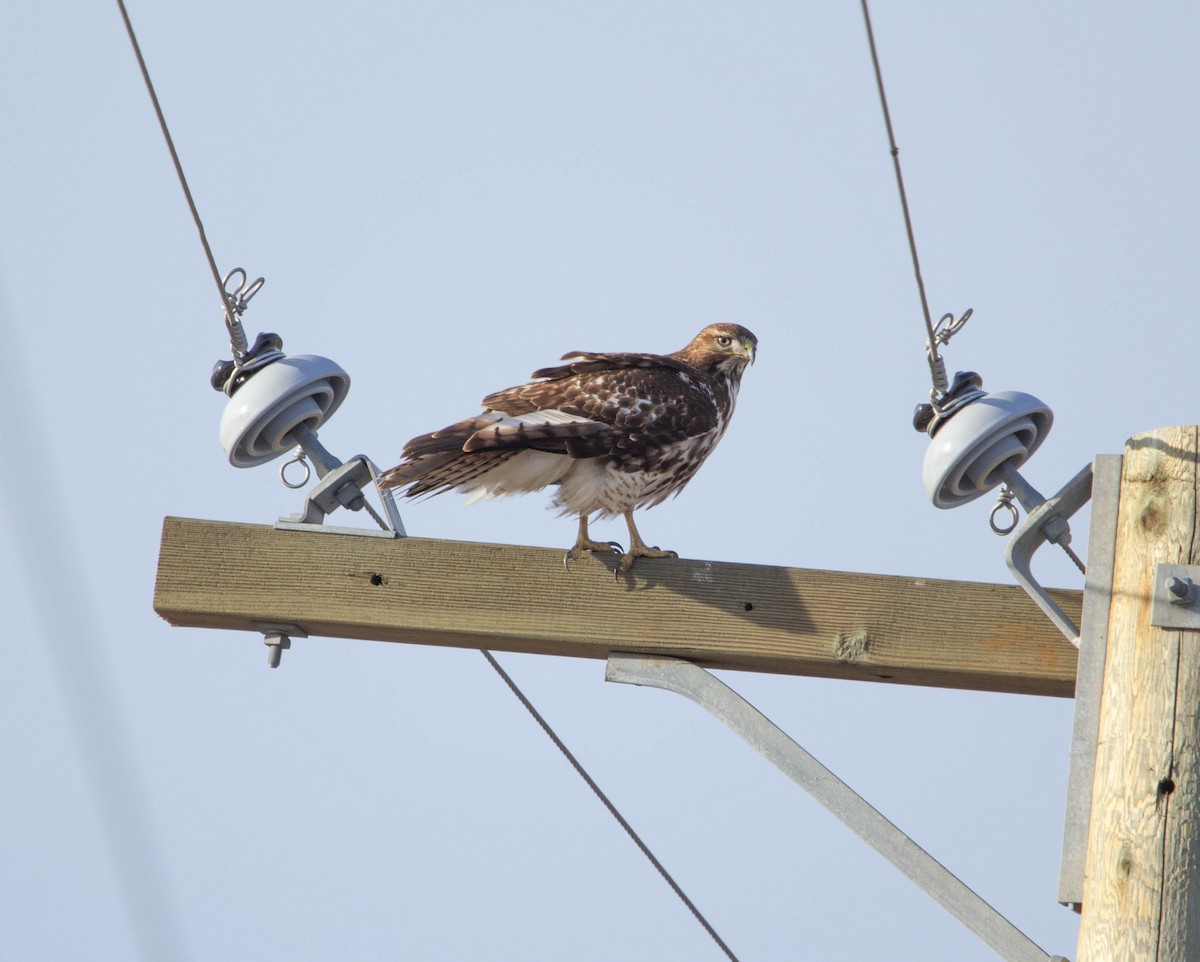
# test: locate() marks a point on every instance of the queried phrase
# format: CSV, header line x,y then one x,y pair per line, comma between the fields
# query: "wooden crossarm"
x,y
914,631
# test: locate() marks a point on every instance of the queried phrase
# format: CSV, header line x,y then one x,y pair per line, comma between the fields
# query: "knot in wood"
x,y
851,647
1152,518
1124,864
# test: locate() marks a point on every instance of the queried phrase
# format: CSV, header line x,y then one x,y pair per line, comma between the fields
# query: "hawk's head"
x,y
721,347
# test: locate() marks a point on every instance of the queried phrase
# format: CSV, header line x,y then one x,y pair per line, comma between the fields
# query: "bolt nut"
x,y
1182,591
349,496
275,641
1057,531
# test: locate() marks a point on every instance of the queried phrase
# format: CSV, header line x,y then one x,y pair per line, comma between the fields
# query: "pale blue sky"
x,y
442,198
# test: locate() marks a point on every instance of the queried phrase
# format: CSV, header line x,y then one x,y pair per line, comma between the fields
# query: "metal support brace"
x,y
765,737
1044,524
1089,676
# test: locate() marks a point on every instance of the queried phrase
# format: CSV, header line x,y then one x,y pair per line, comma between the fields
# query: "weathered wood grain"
x,y
1142,887
790,621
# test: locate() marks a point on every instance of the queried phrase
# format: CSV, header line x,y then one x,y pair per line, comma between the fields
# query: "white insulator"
x,y
965,454
258,419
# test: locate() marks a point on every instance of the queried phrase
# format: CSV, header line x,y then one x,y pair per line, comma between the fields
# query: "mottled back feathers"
x,y
638,424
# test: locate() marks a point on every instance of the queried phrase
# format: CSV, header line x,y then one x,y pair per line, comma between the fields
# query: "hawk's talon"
x,y
587,544
642,550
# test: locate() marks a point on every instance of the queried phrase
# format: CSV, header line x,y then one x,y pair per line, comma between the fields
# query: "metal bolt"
x,y
1181,591
349,496
1057,532
275,641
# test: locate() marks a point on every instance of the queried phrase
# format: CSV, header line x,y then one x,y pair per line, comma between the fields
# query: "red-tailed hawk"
x,y
614,432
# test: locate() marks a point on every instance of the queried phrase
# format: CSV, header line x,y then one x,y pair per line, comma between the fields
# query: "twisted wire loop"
x,y
228,376
236,302
612,809
1004,500
239,297
946,328
297,458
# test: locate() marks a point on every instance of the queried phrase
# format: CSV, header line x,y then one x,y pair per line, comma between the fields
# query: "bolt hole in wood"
x,y
748,606
1166,786
376,579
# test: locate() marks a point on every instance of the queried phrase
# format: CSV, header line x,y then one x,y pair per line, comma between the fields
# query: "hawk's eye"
x,y
724,340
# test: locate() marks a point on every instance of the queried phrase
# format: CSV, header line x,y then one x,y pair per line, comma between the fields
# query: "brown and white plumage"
x,y
614,432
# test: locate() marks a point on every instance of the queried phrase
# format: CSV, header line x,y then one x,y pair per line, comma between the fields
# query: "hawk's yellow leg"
x,y
638,548
584,543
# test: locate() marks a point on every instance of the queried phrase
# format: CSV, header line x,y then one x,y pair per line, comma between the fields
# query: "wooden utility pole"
x,y
1141,899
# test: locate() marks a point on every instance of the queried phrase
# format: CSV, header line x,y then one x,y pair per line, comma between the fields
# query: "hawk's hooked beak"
x,y
748,349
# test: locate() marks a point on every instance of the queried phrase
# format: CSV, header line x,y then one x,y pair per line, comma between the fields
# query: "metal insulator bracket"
x,y
343,487
1047,523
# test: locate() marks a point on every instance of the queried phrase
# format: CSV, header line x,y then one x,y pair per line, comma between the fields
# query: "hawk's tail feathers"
x,y
433,474
461,455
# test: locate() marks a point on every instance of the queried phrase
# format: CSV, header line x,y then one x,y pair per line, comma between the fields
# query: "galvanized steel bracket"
x,y
1176,602
1034,533
1089,676
342,486
758,731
